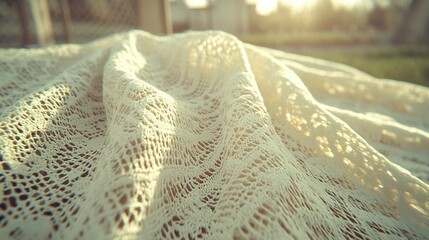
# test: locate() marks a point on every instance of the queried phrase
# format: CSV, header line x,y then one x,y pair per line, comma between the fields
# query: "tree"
x,y
415,27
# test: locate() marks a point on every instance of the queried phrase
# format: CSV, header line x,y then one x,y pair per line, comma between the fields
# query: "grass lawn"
x,y
365,51
409,64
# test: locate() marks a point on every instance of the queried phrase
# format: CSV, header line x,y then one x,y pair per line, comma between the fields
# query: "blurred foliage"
x,y
325,16
387,17
359,37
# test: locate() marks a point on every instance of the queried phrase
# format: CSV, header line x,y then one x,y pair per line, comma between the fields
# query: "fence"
x,y
25,23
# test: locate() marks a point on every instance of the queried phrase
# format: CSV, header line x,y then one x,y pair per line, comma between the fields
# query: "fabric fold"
x,y
198,135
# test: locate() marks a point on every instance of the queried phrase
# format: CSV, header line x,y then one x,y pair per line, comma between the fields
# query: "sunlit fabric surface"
x,y
199,135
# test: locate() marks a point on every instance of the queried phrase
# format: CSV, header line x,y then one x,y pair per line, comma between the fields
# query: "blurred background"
x,y
385,38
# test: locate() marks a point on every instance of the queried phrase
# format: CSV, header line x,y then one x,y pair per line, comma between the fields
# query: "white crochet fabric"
x,y
198,135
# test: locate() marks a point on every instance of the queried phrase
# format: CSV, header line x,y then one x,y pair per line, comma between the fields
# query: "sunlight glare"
x,y
266,7
193,4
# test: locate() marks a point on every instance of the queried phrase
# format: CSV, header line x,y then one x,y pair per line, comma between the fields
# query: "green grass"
x,y
411,65
312,38
366,51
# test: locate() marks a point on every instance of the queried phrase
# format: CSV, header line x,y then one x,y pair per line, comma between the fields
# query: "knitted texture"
x,y
199,135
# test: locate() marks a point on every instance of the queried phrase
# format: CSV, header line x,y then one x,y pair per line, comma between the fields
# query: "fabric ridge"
x,y
200,136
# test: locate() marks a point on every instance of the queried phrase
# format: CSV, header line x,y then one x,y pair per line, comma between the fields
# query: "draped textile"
x,y
199,135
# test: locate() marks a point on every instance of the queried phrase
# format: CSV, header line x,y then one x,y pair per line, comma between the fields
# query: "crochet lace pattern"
x,y
200,136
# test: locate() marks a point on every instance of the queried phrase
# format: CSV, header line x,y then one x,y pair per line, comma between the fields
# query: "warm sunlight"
x,y
196,3
265,7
